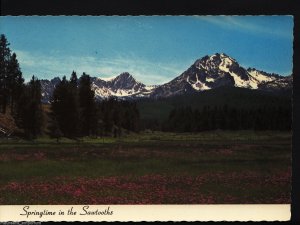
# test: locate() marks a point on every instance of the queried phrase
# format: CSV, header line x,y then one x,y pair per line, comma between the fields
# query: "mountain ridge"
x,y
208,72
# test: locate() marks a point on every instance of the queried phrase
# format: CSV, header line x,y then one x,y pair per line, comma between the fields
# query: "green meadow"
x,y
149,168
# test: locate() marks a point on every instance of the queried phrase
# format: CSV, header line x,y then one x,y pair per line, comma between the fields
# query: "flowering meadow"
x,y
148,169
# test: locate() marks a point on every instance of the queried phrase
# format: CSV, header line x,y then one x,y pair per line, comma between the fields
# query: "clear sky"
x,y
154,49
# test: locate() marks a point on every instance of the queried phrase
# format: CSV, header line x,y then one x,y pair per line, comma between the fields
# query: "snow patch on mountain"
x,y
260,77
198,85
107,78
208,79
226,62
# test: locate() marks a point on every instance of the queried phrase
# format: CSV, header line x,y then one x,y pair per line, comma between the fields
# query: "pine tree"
x,y
54,129
65,107
15,81
87,106
4,61
11,80
73,105
74,80
58,104
29,109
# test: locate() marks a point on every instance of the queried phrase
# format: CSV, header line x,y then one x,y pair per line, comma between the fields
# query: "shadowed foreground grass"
x,y
149,168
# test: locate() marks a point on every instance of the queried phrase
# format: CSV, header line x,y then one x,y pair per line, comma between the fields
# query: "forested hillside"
x,y
221,108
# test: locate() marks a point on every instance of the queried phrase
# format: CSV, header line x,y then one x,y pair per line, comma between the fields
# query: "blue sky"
x,y
154,49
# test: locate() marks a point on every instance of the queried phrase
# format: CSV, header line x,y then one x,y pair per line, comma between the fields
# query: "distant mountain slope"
x,y
207,73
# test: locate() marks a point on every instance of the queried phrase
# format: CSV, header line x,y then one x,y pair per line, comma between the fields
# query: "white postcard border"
x,y
242,212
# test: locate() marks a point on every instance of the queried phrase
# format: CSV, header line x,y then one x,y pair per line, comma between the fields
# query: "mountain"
x,y
219,70
122,86
47,87
207,73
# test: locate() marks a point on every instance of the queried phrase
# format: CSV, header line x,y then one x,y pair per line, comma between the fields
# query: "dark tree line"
x,y
75,112
22,101
186,119
73,108
116,115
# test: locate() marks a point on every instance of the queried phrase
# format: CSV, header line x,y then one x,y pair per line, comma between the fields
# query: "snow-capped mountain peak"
x,y
123,85
221,61
218,70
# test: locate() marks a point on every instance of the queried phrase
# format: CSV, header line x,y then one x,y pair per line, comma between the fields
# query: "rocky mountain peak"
x,y
215,62
126,81
124,75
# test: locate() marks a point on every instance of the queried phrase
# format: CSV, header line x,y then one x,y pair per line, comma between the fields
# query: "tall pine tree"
x,y
4,61
29,109
87,106
64,108
11,80
15,81
73,104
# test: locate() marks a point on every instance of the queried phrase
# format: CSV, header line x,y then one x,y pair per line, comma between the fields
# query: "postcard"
x,y
146,118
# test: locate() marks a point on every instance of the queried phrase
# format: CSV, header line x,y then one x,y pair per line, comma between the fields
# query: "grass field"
x,y
149,168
